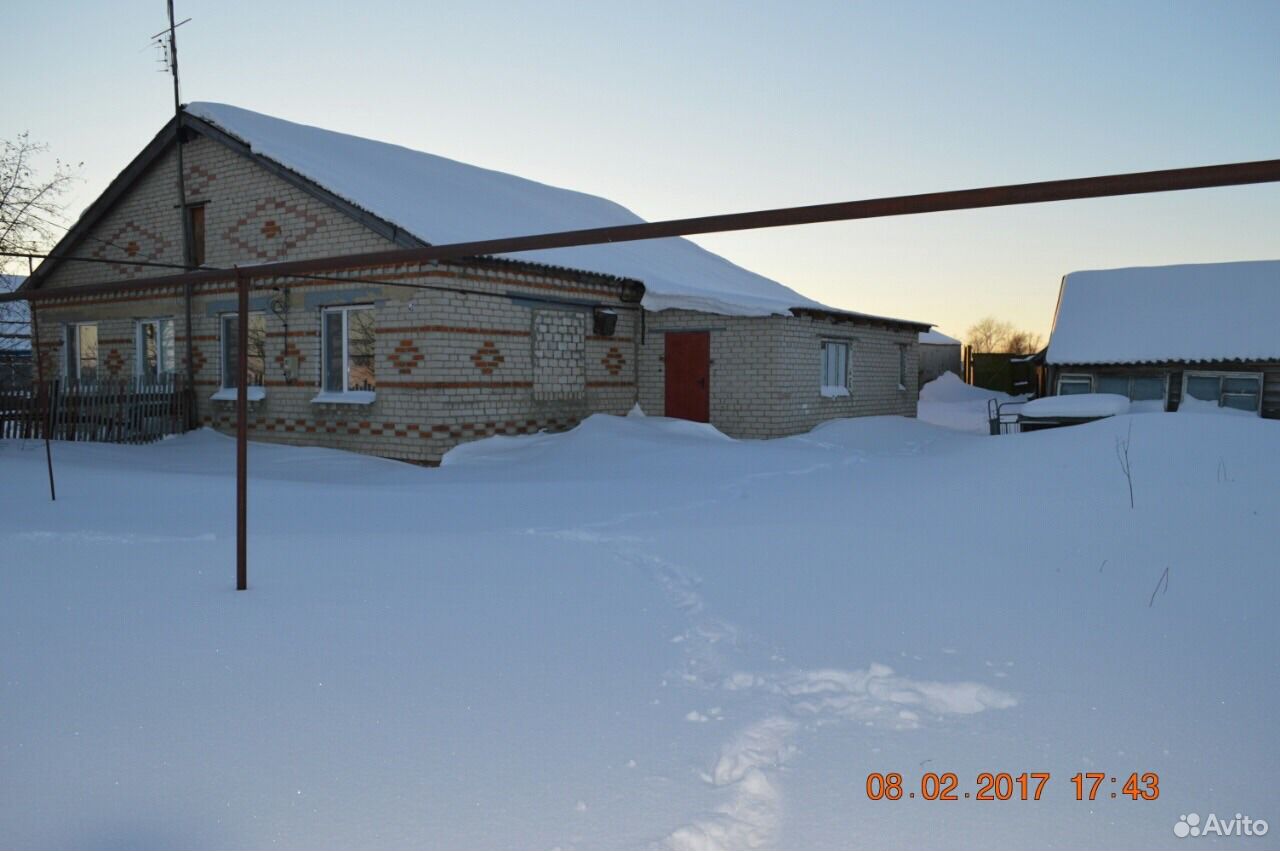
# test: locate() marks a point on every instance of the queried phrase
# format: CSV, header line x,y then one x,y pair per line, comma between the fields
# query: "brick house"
x,y
1163,335
407,361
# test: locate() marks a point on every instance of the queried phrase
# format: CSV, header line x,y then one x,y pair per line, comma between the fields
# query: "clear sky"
x,y
689,108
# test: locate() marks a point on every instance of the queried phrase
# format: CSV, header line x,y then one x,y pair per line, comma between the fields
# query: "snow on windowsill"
x,y
353,397
830,391
228,394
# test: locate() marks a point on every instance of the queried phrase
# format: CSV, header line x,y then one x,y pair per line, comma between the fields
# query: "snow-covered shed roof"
x,y
1195,312
937,338
439,201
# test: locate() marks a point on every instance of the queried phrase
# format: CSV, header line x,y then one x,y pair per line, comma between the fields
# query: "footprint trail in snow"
x,y
747,768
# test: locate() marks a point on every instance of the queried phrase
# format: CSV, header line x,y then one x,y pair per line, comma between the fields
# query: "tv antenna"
x,y
166,42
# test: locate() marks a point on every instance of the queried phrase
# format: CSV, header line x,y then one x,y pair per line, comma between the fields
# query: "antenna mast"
x,y
177,116
187,256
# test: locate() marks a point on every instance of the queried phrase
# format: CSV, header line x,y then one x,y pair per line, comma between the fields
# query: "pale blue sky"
x,y
689,108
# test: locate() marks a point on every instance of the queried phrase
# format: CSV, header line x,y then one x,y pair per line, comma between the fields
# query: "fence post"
x,y
48,424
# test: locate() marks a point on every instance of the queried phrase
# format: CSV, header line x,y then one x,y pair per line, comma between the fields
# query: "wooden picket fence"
x,y
131,411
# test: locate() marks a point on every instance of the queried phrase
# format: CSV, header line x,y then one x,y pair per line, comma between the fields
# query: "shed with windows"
x,y
1171,337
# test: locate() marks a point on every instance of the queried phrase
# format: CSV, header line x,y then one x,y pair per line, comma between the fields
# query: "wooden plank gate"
x,y
130,411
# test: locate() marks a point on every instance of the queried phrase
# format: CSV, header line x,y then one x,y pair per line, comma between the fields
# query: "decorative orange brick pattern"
x,y
198,359
405,357
132,241
487,358
452,431
114,362
455,385
273,229
613,361
198,180
451,329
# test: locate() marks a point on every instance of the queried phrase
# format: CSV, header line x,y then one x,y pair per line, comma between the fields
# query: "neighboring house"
x,y
938,354
406,362
1160,335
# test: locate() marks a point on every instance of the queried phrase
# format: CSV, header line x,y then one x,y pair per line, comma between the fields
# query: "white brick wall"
x,y
450,366
559,354
766,371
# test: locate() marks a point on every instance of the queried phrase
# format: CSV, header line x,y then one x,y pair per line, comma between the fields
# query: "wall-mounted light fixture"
x,y
604,321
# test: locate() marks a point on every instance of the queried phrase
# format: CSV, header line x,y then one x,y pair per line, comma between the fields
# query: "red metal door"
x,y
688,370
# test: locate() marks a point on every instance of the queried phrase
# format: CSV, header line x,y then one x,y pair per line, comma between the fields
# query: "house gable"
x,y
252,214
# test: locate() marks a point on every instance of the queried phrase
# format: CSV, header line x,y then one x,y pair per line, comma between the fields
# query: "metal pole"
x,y
1170,180
48,406
189,413
242,431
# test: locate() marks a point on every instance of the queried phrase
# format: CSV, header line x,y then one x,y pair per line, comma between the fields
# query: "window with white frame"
x,y
1070,385
349,344
81,352
1239,390
1139,388
155,352
257,349
835,368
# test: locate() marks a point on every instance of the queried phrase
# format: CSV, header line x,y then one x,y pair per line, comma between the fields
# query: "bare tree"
x,y
988,334
1122,455
31,220
996,335
1023,343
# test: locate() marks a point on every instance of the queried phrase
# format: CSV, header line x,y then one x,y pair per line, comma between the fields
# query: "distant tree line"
x,y
996,335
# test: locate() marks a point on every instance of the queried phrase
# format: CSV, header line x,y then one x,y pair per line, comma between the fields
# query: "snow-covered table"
x,y
1069,410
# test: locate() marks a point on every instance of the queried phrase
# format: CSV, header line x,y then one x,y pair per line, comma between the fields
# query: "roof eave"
x,y
864,318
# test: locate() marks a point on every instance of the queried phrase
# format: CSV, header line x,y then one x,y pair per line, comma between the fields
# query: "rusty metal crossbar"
x,y
1169,180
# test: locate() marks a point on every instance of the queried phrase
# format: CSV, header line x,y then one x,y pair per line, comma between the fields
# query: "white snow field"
x,y
642,634
948,402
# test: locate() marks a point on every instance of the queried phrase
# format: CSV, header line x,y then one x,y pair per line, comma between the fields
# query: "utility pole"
x,y
182,212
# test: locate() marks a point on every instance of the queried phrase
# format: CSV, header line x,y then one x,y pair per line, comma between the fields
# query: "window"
x,y
1070,385
1239,390
155,352
902,367
1139,388
82,352
835,369
257,349
195,227
349,345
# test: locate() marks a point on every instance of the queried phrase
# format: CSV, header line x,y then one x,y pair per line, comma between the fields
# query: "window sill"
x,y
354,397
228,394
833,392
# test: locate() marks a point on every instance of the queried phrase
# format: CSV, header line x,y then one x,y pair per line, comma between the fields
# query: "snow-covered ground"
x,y
642,634
948,402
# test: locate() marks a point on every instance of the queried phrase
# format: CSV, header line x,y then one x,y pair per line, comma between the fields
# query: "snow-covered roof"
x,y
440,201
1196,312
937,338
